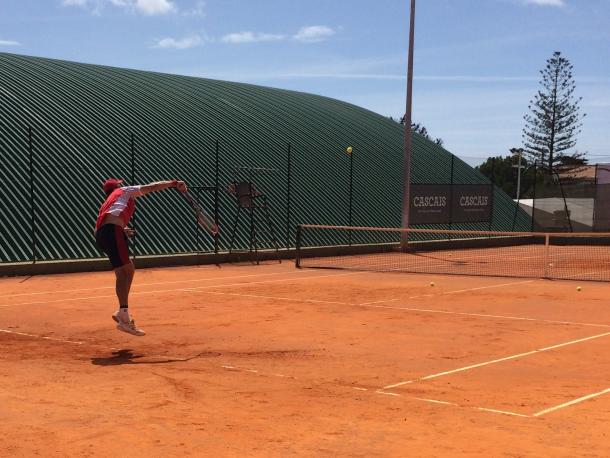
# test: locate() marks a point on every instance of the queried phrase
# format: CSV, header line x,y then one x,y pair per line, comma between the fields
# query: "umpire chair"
x,y
254,205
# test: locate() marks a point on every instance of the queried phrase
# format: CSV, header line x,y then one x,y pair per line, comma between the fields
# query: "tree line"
x,y
549,134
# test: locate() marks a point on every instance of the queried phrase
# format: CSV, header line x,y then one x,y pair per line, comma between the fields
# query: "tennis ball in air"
x,y
349,150
578,288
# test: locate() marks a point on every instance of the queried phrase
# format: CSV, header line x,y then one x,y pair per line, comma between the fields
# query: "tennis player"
x,y
111,233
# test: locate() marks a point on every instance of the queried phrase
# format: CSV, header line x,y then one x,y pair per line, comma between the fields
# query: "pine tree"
x,y
554,122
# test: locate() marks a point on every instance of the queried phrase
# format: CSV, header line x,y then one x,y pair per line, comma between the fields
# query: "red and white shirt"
x,y
121,203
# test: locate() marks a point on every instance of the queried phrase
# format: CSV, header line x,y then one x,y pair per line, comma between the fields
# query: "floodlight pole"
x,y
404,240
518,152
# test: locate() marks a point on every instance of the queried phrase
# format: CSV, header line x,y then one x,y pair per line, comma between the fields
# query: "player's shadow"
x,y
126,356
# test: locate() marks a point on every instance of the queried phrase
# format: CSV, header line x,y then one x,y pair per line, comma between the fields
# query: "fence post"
x,y
351,190
546,255
216,196
297,251
534,196
594,200
493,190
288,196
451,196
32,199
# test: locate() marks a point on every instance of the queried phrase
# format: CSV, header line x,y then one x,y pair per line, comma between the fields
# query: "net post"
x,y
547,247
297,253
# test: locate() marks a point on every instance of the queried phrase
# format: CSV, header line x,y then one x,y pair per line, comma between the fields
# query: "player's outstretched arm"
x,y
161,185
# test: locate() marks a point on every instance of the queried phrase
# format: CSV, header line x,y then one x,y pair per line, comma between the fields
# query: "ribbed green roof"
x,y
82,118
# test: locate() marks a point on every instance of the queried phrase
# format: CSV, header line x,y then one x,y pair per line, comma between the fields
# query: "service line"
x,y
495,361
570,403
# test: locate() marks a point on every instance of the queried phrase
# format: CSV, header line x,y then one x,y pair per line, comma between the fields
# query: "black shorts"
x,y
111,239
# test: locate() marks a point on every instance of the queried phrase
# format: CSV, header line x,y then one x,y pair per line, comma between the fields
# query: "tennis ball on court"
x,y
431,283
578,288
349,150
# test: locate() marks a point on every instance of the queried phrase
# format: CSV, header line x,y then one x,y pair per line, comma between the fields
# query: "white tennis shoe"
x,y
128,326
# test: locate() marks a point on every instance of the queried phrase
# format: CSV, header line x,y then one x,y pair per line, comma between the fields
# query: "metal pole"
x,y
288,196
351,192
216,196
519,175
32,202
297,254
407,141
493,190
451,196
197,249
593,217
534,196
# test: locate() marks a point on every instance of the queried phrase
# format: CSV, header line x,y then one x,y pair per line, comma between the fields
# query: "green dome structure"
x,y
65,127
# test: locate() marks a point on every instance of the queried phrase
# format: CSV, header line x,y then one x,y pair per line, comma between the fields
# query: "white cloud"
x,y
545,2
250,37
9,43
183,43
147,7
314,34
152,7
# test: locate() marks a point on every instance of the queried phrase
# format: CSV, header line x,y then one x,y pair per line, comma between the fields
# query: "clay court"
x,y
269,360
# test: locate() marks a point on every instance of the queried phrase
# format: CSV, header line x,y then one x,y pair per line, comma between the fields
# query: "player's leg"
x,y
113,242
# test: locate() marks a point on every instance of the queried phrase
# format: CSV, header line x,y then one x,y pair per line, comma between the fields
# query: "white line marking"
x,y
487,363
359,389
144,284
434,401
6,331
483,315
376,302
408,309
503,412
471,289
292,299
387,393
183,289
575,401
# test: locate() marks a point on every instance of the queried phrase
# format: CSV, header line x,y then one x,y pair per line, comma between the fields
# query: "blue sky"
x,y
476,61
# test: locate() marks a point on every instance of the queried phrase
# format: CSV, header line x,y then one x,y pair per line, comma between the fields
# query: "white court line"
x,y
575,401
139,293
495,361
484,315
143,284
450,292
503,412
387,393
7,331
257,296
434,401
407,309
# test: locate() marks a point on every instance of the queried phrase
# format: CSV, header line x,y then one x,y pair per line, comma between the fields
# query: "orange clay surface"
x,y
268,360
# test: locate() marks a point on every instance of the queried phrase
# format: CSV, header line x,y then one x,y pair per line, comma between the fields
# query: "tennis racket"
x,y
204,220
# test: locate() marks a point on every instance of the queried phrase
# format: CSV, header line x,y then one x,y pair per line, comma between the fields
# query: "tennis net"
x,y
566,256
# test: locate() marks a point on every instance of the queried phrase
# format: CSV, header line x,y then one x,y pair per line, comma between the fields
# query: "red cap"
x,y
111,184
